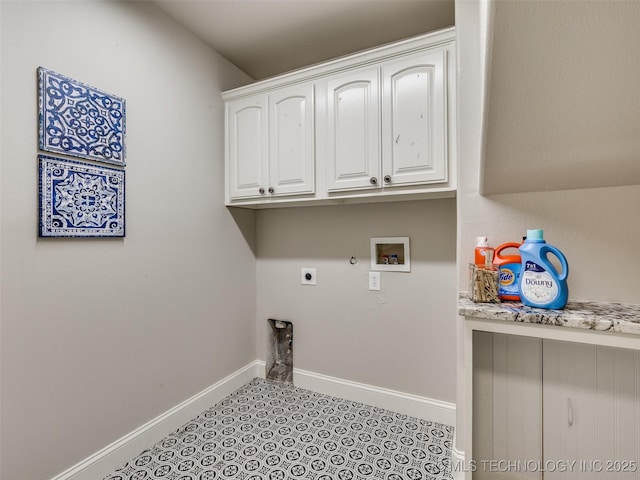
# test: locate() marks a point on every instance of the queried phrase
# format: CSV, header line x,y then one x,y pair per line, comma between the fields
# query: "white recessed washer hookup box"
x,y
390,254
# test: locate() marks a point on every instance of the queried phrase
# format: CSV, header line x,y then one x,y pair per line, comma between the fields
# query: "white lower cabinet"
x,y
554,410
591,406
507,405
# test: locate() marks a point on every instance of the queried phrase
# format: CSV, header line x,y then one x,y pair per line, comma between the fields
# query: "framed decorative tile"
x,y
79,199
79,120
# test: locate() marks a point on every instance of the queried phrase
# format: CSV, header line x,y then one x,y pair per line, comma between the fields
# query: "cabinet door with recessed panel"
x,y
353,131
291,140
414,119
247,153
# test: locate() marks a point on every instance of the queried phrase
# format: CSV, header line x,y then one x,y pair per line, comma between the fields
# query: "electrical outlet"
x,y
374,281
307,276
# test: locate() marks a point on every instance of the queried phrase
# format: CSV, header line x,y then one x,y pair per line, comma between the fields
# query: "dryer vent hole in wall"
x,y
279,364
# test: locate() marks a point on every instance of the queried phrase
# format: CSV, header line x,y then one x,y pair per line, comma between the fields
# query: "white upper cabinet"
x,y
374,126
414,121
353,130
387,126
270,144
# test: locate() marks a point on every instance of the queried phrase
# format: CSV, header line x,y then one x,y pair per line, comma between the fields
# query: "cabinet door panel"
x,y
353,131
508,419
591,407
292,148
414,119
247,147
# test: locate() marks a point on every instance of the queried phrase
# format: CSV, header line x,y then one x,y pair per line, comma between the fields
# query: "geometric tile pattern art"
x,y
269,430
79,199
79,120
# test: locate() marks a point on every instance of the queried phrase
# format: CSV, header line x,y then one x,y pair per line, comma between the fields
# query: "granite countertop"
x,y
602,316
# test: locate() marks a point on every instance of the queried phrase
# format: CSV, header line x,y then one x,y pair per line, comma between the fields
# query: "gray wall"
x,y
100,336
564,107
401,338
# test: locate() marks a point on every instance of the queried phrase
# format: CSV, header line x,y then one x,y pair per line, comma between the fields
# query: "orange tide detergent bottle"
x,y
508,271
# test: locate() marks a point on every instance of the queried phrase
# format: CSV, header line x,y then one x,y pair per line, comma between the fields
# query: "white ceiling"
x,y
268,37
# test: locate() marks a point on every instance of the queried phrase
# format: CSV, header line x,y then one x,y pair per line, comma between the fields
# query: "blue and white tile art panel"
x,y
79,199
79,120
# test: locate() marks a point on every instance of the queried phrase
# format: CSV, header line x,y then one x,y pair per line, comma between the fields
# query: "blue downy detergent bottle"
x,y
541,285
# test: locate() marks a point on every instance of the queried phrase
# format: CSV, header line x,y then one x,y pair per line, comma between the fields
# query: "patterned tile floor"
x,y
274,431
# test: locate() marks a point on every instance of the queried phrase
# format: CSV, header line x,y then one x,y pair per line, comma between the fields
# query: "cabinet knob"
x,y
373,181
271,190
261,191
387,179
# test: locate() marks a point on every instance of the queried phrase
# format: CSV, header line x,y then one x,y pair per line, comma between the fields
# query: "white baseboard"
x,y
131,445
414,405
115,455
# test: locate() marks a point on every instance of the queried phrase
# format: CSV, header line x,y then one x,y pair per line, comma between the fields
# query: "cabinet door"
x,y
291,141
414,121
353,131
591,408
247,162
507,405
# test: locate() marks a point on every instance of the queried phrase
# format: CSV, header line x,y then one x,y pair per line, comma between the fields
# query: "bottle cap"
x,y
482,241
536,234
